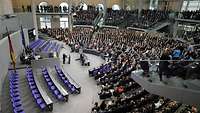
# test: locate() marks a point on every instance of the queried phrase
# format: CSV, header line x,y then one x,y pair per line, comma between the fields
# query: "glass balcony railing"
x,y
176,73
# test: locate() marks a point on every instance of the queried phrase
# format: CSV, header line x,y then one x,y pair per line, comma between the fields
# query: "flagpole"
x,y
12,55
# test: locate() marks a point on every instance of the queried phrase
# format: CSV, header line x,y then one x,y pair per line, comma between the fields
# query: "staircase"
x,y
159,26
99,20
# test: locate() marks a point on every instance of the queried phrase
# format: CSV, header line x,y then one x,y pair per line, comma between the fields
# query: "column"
x,y
105,6
175,29
1,8
175,26
180,5
140,7
188,1
153,4
70,16
33,8
6,7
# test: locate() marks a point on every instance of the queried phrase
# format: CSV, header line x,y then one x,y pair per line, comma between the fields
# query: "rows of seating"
x,y
45,46
62,76
120,94
85,17
15,93
147,18
57,48
52,87
52,47
35,91
194,15
42,43
104,68
35,43
54,44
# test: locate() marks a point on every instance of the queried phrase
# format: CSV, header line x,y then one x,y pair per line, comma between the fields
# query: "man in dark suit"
x,y
69,59
64,58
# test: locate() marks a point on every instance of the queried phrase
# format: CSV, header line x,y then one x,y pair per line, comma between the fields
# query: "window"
x,y
84,6
41,6
153,4
184,6
64,7
45,22
64,23
100,7
191,5
115,7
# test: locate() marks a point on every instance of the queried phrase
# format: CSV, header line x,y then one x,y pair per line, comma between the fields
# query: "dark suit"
x,y
163,66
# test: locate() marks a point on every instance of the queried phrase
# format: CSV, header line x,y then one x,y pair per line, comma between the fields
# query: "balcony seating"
x,y
15,93
44,106
73,87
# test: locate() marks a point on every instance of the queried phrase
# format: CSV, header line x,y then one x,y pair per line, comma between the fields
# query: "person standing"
x,y
164,64
64,58
69,59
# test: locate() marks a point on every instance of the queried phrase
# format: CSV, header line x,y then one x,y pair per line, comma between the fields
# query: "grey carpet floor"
x,y
81,103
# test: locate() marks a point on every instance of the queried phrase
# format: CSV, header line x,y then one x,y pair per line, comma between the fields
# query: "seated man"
x,y
96,107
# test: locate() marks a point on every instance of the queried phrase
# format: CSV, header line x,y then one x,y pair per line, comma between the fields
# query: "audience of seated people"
x,y
191,36
135,45
117,17
194,15
85,17
125,49
147,18
120,94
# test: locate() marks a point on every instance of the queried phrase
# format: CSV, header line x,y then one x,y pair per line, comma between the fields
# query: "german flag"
x,y
12,53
